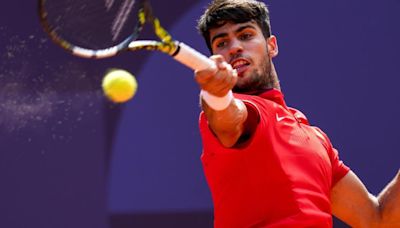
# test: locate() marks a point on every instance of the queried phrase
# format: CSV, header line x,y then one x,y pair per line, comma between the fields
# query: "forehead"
x,y
231,27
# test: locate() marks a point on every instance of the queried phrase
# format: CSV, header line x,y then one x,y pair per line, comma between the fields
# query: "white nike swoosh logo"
x,y
279,118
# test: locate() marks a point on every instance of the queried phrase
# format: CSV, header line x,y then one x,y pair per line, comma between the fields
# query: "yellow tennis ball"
x,y
119,85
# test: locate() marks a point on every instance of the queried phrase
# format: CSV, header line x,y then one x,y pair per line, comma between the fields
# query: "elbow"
x,y
375,219
386,219
382,219
229,140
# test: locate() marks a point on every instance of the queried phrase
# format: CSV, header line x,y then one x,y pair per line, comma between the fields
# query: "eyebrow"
x,y
241,28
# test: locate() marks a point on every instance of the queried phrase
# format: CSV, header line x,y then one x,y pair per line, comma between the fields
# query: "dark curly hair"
x,y
219,12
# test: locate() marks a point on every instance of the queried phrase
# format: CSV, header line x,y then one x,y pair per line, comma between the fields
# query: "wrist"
x,y
215,102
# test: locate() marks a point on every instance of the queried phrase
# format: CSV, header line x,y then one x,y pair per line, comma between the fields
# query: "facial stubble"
x,y
260,79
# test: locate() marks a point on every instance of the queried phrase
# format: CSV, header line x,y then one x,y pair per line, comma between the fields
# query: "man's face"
x,y
246,49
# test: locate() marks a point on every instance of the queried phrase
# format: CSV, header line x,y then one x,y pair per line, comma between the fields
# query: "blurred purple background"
x,y
69,158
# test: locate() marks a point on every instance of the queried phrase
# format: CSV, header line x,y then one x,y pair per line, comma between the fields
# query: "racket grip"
x,y
192,58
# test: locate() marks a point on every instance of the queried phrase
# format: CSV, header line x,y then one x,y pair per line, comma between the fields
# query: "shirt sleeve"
x,y
339,169
210,139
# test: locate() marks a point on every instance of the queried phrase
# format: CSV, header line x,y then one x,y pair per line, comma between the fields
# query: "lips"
x,y
240,65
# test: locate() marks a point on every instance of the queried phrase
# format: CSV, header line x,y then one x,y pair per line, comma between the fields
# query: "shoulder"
x,y
299,116
257,105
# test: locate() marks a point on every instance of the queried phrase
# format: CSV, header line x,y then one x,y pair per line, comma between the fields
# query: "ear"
x,y
272,45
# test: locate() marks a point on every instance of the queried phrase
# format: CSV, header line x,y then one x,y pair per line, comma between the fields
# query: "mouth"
x,y
240,65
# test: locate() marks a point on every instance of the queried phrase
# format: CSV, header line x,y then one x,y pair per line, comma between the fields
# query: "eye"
x,y
245,36
221,44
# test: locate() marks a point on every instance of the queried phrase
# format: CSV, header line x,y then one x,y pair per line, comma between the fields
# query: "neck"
x,y
271,82
274,80
264,83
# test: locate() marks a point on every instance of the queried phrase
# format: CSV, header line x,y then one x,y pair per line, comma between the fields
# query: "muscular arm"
x,y
353,204
228,124
232,122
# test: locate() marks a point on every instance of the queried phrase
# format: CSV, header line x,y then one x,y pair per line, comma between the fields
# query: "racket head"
x,y
93,28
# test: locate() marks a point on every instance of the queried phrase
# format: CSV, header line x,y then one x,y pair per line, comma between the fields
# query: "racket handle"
x,y
192,58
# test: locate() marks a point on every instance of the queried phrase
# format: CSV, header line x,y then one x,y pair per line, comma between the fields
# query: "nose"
x,y
235,47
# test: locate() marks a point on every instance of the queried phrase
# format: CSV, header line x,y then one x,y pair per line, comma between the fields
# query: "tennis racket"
x,y
105,28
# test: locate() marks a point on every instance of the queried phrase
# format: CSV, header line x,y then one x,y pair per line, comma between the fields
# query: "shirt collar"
x,y
274,95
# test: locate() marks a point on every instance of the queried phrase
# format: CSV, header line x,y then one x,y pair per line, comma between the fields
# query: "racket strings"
x,y
91,24
121,18
109,3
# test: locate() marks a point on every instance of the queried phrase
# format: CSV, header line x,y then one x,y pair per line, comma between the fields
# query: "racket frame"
x,y
178,50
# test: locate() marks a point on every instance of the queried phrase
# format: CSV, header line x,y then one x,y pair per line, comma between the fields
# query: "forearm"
x,y
389,203
227,124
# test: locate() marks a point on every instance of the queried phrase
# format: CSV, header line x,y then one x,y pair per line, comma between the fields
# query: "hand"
x,y
218,80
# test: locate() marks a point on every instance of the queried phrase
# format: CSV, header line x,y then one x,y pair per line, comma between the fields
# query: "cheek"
x,y
223,53
260,55
258,48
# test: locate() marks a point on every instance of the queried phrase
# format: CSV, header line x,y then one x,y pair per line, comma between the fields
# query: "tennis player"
x,y
265,165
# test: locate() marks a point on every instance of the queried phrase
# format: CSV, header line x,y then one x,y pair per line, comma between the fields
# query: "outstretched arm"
x,y
353,204
227,124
